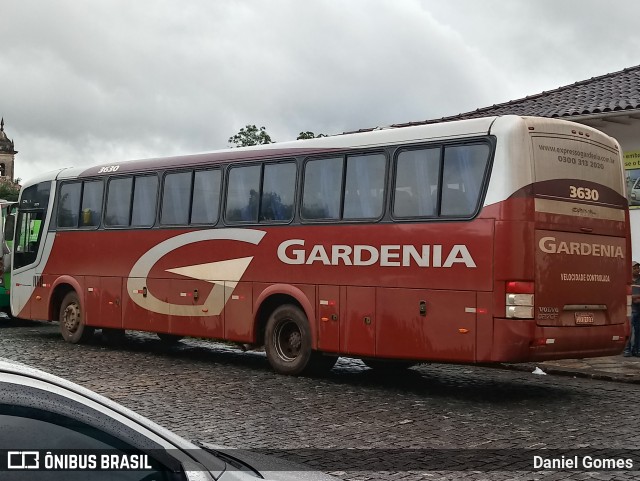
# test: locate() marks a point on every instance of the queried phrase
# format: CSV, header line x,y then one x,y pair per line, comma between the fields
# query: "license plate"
x,y
584,318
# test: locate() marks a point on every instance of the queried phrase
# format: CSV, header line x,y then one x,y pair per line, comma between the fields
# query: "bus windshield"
x,y
33,207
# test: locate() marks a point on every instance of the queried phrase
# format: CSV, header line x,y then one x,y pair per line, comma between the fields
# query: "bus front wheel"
x,y
72,325
288,340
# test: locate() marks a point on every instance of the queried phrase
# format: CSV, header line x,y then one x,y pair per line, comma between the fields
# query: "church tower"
x,y
7,154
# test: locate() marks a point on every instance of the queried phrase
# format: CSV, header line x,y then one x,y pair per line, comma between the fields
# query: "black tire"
x,y
113,336
388,364
71,318
288,340
169,339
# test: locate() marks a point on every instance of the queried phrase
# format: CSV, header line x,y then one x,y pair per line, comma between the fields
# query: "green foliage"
x,y
309,135
251,135
9,190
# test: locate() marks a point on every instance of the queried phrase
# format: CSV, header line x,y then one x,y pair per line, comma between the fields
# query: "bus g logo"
x,y
225,275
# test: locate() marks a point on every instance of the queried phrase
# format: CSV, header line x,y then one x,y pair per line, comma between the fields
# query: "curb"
x,y
582,373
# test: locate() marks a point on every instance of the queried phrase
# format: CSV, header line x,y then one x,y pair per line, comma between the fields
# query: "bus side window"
x,y
69,204
322,189
242,194
176,195
145,194
91,209
404,204
206,197
278,190
118,205
417,170
463,172
364,186
454,202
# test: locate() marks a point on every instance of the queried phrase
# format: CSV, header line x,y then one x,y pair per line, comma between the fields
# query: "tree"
x,y
9,190
250,135
309,135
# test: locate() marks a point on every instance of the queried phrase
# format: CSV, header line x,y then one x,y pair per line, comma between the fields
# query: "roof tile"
x,y
615,91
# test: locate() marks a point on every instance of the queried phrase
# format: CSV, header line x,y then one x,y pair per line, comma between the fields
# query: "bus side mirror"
x,y
9,227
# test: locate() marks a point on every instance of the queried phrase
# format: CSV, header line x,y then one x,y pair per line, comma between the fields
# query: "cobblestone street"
x,y
213,392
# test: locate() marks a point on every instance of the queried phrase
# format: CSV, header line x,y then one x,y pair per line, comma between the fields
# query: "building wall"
x,y
8,161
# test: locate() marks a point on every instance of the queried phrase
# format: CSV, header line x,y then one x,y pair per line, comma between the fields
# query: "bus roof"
x,y
380,137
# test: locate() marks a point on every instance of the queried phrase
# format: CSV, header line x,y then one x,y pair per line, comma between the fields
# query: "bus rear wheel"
x,y
71,317
288,340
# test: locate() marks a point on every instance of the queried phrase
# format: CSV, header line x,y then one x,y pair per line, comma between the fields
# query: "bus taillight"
x,y
520,300
517,287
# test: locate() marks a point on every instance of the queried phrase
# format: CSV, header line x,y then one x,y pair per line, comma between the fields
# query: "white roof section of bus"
x,y
508,176
513,166
611,175
511,170
419,133
392,135
50,175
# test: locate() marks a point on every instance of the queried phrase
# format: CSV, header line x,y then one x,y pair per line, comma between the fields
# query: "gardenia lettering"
x,y
426,255
551,246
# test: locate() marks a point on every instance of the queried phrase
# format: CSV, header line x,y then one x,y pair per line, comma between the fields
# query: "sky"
x,y
100,81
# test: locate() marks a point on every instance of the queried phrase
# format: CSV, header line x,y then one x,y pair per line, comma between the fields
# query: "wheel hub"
x,y
295,341
288,341
71,317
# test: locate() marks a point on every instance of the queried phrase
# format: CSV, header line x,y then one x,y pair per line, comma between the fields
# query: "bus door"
x,y
426,324
28,237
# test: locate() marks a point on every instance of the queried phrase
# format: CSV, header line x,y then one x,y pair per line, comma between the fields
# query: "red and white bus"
x,y
486,240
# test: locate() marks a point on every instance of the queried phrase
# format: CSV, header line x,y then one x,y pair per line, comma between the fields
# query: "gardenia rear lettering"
x,y
551,246
294,252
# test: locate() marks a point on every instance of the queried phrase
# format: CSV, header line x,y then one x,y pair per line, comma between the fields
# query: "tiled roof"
x,y
613,92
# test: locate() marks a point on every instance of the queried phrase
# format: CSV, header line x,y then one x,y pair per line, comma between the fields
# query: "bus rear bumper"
x,y
524,340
